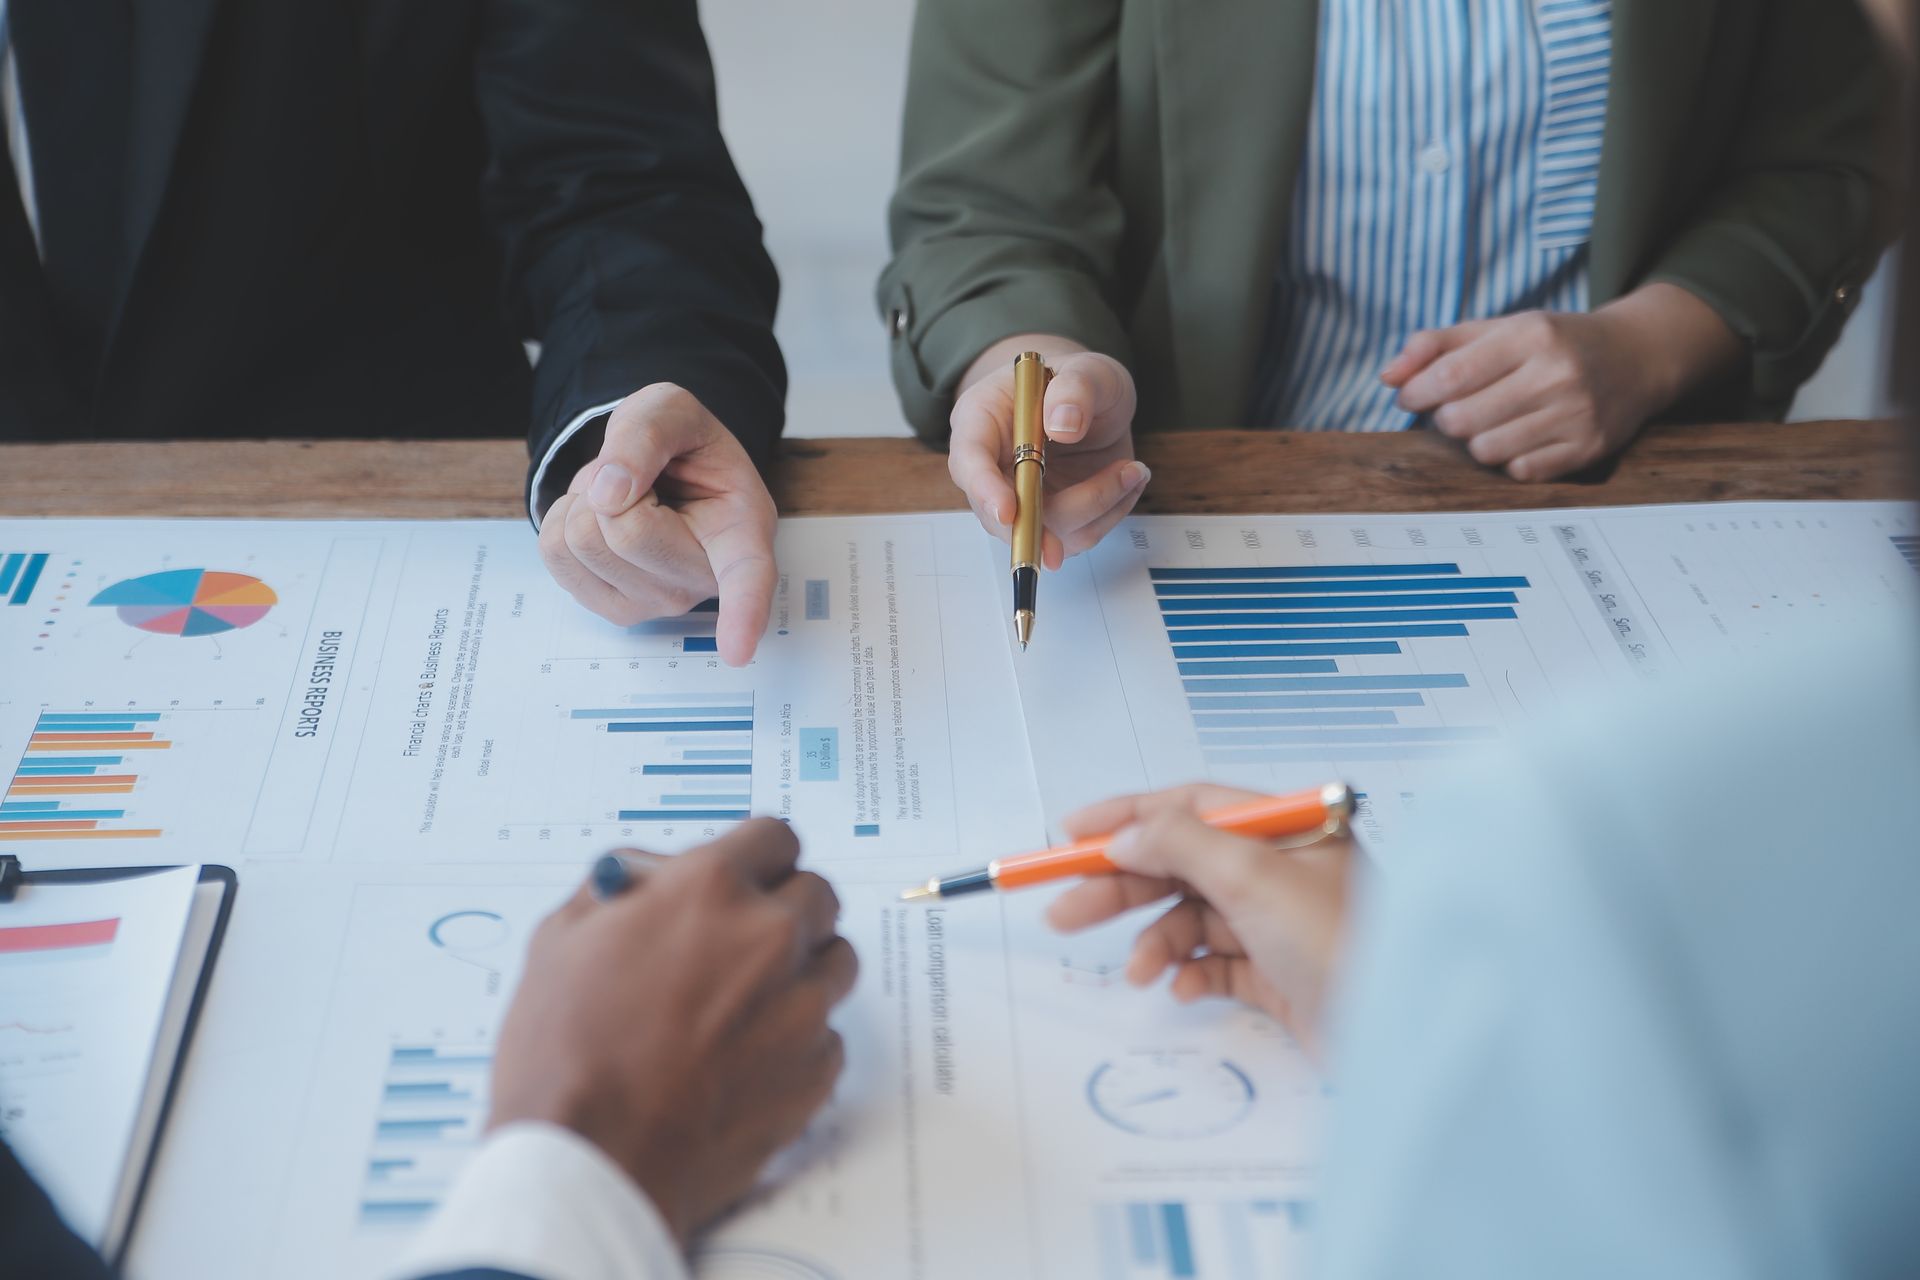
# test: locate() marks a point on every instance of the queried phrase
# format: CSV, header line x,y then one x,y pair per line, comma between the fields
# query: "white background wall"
x,y
810,97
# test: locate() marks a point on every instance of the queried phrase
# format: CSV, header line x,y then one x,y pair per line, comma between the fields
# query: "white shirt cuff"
x,y
560,441
542,1201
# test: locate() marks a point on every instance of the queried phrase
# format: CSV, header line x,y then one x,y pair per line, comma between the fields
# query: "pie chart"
x,y
190,602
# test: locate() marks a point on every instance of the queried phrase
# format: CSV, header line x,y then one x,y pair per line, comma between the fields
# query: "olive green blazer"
x,y
1121,172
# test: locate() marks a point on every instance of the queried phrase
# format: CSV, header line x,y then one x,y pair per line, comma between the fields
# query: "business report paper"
x,y
410,743
1276,653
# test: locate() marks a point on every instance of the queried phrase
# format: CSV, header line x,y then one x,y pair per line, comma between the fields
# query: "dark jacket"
x,y
344,216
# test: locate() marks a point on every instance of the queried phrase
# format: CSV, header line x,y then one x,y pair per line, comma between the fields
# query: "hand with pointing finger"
x,y
671,513
1092,479
1252,923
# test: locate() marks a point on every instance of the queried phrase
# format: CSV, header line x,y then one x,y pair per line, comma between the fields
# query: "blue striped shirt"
x,y
1449,174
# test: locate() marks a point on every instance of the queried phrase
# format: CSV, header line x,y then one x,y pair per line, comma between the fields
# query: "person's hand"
x,y
682,1026
1256,924
1092,479
1543,394
670,514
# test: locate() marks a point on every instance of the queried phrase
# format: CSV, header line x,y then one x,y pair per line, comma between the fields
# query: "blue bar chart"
x,y
1908,545
1308,663
1225,1240
690,633
432,1110
20,573
677,757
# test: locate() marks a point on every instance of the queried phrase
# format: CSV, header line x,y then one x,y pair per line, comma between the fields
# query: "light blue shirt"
x,y
1645,1002
1449,174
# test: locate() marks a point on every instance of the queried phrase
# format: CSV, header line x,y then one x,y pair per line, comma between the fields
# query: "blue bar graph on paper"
x,y
1290,719
1908,545
1179,1242
1204,621
432,1110
1299,701
1451,680
1341,609
682,757
1330,587
1272,573
1260,668
1316,664
700,644
684,815
95,719
1409,631
74,814
19,575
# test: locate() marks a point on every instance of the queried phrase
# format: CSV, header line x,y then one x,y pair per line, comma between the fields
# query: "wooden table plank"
x,y
1200,471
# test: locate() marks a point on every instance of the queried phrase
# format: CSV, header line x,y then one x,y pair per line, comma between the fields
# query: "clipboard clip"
x,y
12,876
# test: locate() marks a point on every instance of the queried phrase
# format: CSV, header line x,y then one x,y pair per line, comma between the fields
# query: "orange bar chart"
x,y
73,762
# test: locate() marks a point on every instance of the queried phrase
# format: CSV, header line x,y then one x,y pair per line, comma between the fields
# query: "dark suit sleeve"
x,y
34,1243
633,254
1810,198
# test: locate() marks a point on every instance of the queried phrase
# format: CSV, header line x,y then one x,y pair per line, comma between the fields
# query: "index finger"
x,y
973,458
1109,816
1470,367
741,556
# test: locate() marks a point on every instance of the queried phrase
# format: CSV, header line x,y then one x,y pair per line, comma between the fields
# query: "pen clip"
x,y
1335,827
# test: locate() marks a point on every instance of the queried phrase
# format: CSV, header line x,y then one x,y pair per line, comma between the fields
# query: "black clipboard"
x,y
229,885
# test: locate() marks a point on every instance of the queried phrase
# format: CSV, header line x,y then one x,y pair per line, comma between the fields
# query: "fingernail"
x,y
1137,475
610,487
1124,843
1064,417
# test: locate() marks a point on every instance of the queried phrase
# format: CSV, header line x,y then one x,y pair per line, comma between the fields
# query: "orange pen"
x,y
1324,809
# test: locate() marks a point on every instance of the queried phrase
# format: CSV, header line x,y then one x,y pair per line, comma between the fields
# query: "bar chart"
x,y
1908,545
20,573
691,633
1225,1240
674,757
1309,663
78,769
432,1110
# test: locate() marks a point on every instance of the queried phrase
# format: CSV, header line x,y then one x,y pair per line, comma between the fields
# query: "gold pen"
x,y
1030,378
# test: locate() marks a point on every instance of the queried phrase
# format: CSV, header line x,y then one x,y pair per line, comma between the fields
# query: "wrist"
x,y
1673,341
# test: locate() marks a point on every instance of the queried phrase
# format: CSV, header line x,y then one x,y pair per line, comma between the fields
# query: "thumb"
x,y
645,433
1088,390
1225,869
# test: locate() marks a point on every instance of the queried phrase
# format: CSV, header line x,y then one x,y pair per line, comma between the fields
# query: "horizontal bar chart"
x,y
1329,664
1327,587
72,781
673,758
432,1113
20,573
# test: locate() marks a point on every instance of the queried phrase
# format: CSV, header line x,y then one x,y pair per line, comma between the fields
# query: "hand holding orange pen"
x,y
1324,809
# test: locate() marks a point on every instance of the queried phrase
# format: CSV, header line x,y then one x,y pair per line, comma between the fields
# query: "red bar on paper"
x,y
58,937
